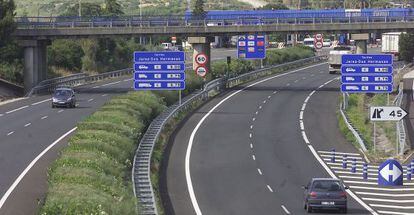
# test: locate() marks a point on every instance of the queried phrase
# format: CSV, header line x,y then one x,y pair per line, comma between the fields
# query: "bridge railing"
x,y
141,171
49,86
145,22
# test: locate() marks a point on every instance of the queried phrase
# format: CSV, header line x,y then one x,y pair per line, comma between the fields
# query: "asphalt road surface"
x,y
250,152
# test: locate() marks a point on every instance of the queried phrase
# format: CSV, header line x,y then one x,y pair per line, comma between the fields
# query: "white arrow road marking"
x,y
386,172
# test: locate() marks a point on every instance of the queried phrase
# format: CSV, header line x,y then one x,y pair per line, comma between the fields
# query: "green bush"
x,y
92,175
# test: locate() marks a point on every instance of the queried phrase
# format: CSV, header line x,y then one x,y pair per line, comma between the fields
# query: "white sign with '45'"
x,y
387,113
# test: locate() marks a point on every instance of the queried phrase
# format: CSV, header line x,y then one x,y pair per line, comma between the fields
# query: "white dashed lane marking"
x,y
270,189
28,124
44,117
36,103
285,209
253,157
90,100
260,171
251,145
60,111
10,133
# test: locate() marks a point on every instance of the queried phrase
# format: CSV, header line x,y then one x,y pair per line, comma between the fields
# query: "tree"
x,y
88,9
198,10
113,8
274,7
7,25
406,46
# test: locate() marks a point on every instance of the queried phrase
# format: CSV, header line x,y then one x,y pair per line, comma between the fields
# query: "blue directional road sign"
x,y
141,67
159,85
159,57
366,69
349,79
251,46
366,88
159,70
366,73
390,173
367,59
173,76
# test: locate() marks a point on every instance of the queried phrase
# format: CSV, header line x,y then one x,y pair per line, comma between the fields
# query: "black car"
x,y
64,97
325,193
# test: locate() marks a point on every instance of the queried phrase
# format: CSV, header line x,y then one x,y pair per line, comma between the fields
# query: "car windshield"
x,y
62,93
326,186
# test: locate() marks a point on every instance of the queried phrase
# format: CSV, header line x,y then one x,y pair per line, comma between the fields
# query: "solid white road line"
x,y
393,206
339,153
385,194
270,189
382,189
90,100
389,200
302,127
303,107
394,213
36,103
10,133
260,171
301,115
191,140
17,109
305,138
44,117
17,181
285,209
28,124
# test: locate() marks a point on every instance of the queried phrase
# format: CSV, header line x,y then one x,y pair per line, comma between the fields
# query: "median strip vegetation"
x,y
92,175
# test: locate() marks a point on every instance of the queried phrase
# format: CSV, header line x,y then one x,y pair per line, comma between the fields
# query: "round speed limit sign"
x,y
201,71
318,37
201,59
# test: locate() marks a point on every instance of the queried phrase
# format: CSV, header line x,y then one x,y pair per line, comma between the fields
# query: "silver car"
x,y
64,97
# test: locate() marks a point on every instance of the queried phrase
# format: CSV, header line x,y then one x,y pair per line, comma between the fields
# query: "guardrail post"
x,y
412,166
344,163
333,156
365,171
409,172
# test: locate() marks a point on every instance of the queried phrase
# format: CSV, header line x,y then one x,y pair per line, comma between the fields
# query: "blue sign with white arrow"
x,y
145,76
366,88
363,70
390,173
367,59
385,79
140,67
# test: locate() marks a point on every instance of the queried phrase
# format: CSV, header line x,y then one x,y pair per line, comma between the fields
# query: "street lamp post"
x,y
80,8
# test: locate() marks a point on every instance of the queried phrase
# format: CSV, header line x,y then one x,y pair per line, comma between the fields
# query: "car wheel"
x,y
309,209
53,106
73,104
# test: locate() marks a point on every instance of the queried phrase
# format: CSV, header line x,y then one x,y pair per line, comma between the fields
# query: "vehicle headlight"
x,y
69,99
54,100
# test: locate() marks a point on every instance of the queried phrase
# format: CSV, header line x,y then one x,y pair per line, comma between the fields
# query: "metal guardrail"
x,y
141,175
76,80
145,22
399,126
348,124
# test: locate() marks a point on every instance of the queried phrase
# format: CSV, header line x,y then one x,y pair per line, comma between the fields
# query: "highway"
x,y
250,150
30,125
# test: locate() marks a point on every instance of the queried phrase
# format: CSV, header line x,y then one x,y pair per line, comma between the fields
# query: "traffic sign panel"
x,y
367,59
366,88
318,44
201,59
201,71
159,67
159,57
366,69
252,46
387,113
366,79
159,85
390,173
174,76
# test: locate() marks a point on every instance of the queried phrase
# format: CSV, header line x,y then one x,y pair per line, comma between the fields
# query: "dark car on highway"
x,y
64,97
325,193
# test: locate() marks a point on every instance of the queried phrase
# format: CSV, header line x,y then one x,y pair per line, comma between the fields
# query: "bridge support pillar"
x,y
201,45
35,62
360,42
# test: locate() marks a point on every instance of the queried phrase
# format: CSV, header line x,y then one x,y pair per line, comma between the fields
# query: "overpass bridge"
x,y
35,33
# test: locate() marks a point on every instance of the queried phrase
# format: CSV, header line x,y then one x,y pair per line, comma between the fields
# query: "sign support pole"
x,y
388,99
374,137
179,97
261,63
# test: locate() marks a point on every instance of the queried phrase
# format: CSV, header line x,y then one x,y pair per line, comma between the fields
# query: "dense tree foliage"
x,y
199,8
406,45
113,8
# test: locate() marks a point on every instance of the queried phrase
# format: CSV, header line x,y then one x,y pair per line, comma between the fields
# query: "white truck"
x,y
389,43
335,58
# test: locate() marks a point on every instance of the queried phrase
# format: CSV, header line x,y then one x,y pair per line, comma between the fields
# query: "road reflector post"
x,y
353,169
365,171
412,166
344,164
409,172
333,156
